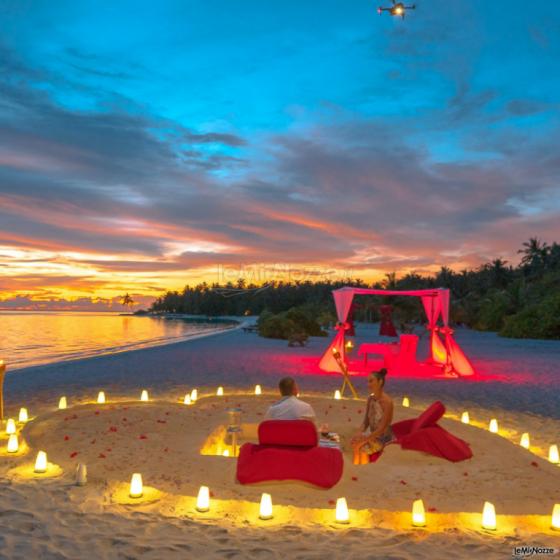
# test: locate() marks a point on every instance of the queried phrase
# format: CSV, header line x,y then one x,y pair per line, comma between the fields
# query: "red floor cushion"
x,y
288,450
424,434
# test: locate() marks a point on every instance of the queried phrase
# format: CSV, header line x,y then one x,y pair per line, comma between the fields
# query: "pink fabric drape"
x,y
328,363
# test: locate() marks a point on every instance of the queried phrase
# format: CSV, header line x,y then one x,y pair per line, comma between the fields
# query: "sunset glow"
x,y
128,167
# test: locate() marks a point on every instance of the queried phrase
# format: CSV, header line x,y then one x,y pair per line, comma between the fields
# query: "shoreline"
x,y
132,348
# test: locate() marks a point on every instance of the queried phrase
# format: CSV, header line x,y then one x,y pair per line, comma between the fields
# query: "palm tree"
x,y
127,301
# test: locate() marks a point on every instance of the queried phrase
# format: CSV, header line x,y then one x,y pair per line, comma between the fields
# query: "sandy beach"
x,y
162,439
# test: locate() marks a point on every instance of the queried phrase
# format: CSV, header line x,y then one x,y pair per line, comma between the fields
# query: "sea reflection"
x,y
30,338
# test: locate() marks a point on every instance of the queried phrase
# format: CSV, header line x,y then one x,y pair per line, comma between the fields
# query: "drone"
x,y
397,9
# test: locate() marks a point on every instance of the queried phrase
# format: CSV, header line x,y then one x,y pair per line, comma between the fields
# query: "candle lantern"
x,y
203,499
41,463
418,514
465,418
489,517
136,487
342,515
265,510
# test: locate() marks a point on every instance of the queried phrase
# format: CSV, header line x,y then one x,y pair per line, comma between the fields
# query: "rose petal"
x,y
73,454
66,438
403,482
101,456
354,478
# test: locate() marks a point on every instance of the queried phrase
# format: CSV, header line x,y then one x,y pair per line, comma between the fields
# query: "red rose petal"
x,y
73,454
167,413
211,494
101,456
432,509
162,421
97,412
113,429
93,441
108,449
354,478
403,482
465,474
142,436
534,463
332,502
66,438
166,450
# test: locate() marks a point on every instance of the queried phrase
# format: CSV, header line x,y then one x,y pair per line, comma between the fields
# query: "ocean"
x,y
38,338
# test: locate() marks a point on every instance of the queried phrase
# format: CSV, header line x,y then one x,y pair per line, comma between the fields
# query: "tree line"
x,y
520,301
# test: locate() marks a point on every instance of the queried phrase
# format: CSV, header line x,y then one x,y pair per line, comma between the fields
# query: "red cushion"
x,y
264,463
429,417
297,433
439,442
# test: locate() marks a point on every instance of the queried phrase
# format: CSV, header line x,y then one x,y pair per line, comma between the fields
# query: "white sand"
x,y
162,441
49,517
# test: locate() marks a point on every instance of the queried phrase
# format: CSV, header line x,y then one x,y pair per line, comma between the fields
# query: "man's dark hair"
x,y
286,386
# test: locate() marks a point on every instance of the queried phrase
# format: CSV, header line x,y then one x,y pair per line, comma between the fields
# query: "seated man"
x,y
289,407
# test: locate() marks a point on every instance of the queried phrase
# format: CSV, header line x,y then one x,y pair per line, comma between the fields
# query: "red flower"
x,y
73,454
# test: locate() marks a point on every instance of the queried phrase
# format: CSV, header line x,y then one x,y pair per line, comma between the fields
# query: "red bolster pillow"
x,y
297,433
429,417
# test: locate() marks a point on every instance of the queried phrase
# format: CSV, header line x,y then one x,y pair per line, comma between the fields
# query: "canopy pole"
x,y
344,369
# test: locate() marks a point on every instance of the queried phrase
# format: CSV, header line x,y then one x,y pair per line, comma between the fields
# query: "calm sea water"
x,y
34,338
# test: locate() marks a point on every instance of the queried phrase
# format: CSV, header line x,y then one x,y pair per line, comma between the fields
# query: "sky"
x,y
149,145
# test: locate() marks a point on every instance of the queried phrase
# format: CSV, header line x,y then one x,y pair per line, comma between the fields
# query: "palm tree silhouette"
x,y
127,301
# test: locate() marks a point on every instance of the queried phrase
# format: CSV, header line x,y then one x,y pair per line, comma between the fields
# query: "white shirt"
x,y
290,408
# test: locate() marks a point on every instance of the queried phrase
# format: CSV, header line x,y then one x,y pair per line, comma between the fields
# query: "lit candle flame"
x,y
220,392
203,499
62,403
342,515
265,510
465,418
525,442
101,397
337,395
136,488
493,427
23,416
194,395
13,444
144,396
187,399
258,390
556,517
489,517
10,426
418,514
406,402
41,462
553,456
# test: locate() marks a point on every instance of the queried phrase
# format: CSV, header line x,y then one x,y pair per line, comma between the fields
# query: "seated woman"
x,y
378,418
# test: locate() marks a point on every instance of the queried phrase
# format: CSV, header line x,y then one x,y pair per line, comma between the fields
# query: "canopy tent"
x,y
446,352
